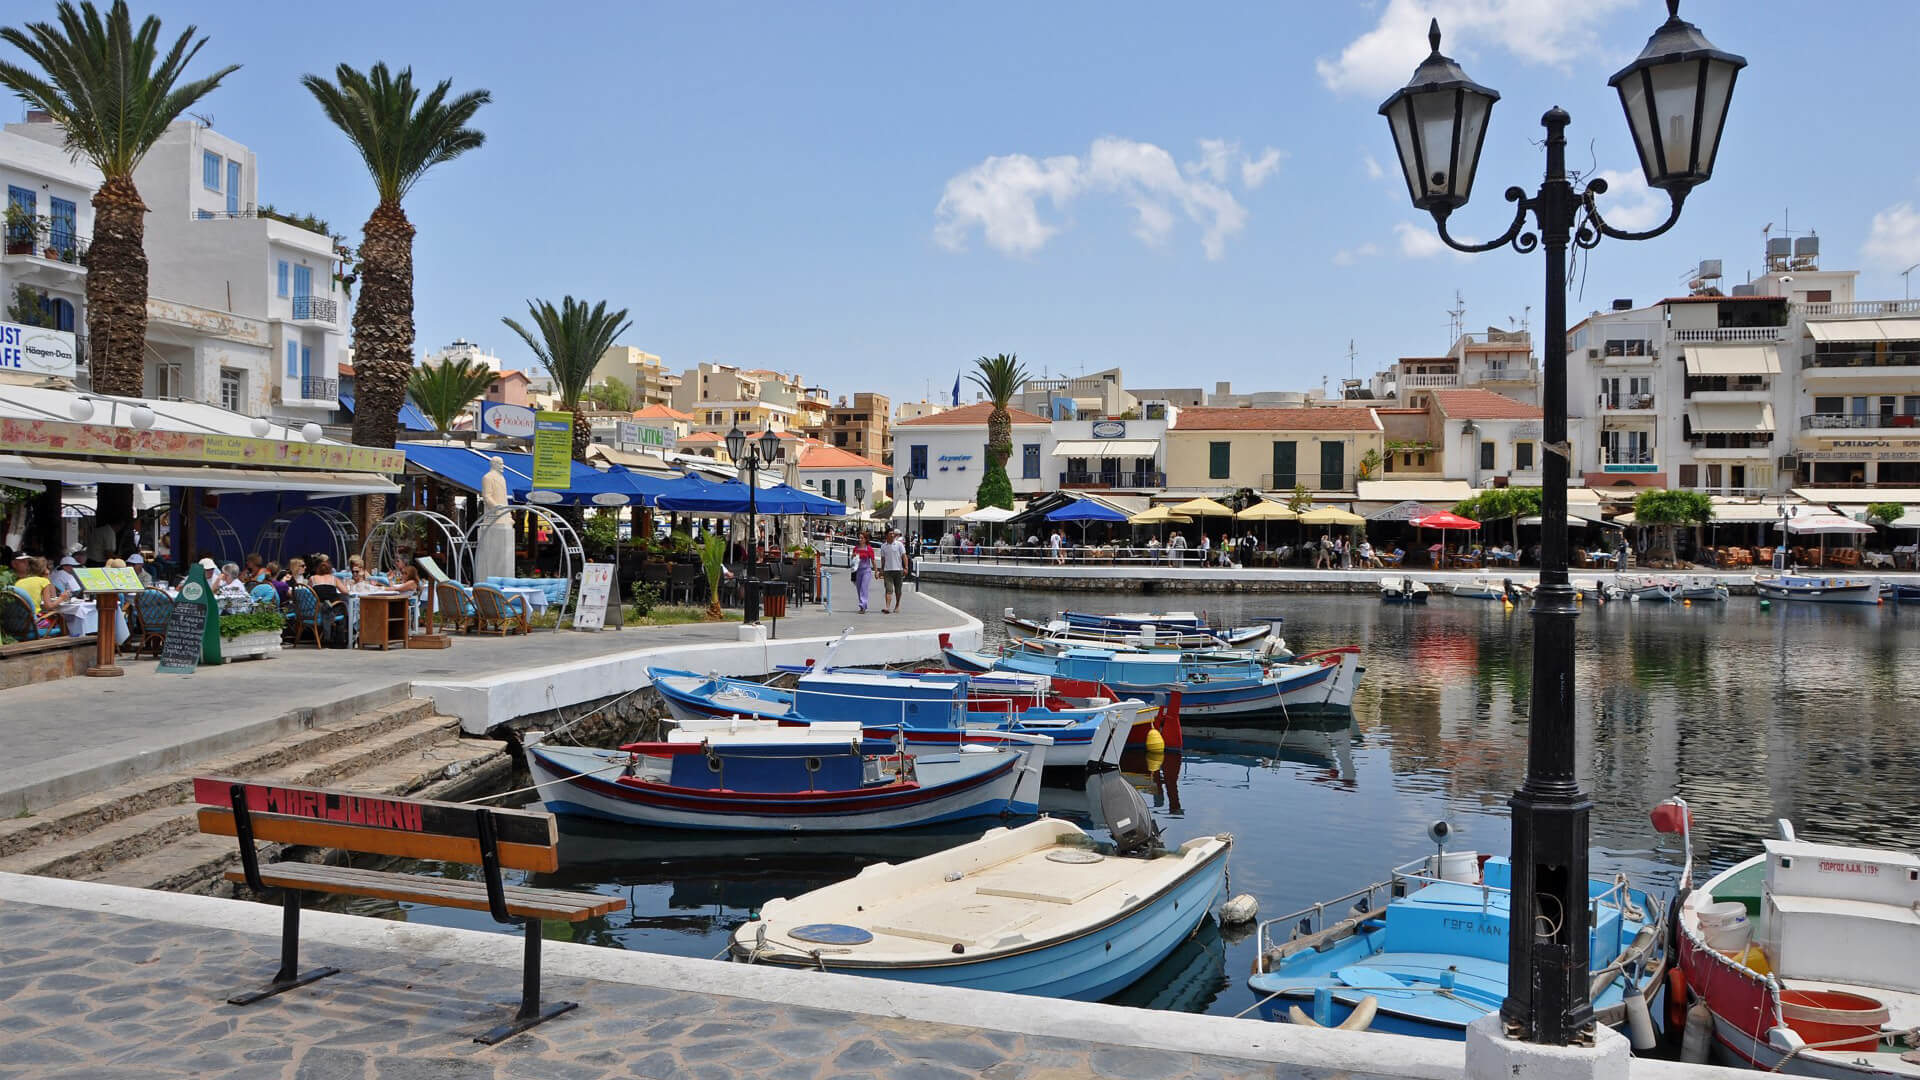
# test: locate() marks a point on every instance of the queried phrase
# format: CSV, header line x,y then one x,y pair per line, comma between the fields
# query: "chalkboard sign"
x,y
186,626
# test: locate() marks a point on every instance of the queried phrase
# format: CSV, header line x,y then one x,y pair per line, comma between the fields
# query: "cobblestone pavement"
x,y
95,996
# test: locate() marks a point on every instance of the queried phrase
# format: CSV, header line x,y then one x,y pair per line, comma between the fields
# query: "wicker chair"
x,y
454,607
150,611
310,616
497,613
18,620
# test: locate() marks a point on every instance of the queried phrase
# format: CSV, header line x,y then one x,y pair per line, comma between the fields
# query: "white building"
x,y
48,228
462,349
1487,439
841,474
1109,455
947,454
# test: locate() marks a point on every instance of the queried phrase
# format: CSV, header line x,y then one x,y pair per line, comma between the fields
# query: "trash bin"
x,y
773,599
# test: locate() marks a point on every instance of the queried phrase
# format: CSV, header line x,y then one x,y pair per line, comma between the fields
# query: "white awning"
x,y
1094,448
1734,513
1855,494
1864,330
1730,417
72,471
1440,493
933,508
1732,360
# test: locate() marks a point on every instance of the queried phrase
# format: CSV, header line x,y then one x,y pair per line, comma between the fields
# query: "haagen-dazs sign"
x,y
513,421
1109,429
37,351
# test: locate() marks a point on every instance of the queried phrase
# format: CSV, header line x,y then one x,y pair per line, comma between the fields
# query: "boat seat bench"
x,y
490,838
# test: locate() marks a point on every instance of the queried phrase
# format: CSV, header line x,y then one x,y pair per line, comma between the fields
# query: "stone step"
x,y
176,786
421,750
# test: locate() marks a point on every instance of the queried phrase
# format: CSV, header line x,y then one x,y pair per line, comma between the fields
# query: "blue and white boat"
x,y
1810,589
1218,685
935,712
758,776
1040,909
1425,952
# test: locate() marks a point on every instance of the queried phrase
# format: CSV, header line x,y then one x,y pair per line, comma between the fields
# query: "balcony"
x,y
1088,480
1625,402
1861,360
1429,382
1846,421
37,258
315,309
317,388
1860,309
1732,333
1314,481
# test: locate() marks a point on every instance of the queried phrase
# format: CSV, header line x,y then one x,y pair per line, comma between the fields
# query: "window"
x,y
233,187
280,279
203,215
1828,405
1285,463
168,381
1219,460
302,286
293,356
1689,476
230,396
210,170
1523,457
1030,461
306,362
1486,454
20,201
917,461
1819,296
1333,466
63,227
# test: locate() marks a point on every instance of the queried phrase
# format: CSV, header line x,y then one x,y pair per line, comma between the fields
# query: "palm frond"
x,y
444,390
400,134
569,341
106,82
1001,377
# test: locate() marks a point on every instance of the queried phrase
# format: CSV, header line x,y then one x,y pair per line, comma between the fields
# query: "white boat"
x,y
1817,590
1034,910
1488,588
1403,590
1702,592
1829,985
1644,589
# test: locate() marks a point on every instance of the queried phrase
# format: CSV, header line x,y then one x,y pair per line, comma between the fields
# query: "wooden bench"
x,y
490,838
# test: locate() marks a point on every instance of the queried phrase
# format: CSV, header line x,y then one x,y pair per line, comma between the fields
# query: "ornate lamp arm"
x,y
1522,242
1596,226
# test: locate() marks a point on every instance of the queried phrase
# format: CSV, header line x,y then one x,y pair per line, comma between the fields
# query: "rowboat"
x,y
1817,590
1039,909
768,778
1403,590
1643,589
1702,592
1480,588
1145,636
1424,952
935,712
1815,972
1210,685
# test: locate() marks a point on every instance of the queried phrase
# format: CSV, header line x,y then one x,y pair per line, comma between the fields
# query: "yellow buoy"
x,y
1155,744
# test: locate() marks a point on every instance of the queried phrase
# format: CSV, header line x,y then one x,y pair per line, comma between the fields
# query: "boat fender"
x,y
1699,1035
1239,909
1156,743
1639,1021
1359,1020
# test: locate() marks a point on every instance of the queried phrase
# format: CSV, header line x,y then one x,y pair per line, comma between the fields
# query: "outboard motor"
x,y
1125,812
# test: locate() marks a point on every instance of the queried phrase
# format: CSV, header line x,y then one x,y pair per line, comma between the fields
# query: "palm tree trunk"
x,y
117,313
382,337
999,435
582,435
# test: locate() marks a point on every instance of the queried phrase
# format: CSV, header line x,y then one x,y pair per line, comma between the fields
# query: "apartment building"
x,y
1487,439
862,425
1110,455
855,480
1211,449
641,372
43,269
1498,360
1099,395
721,397
946,454
914,410
461,349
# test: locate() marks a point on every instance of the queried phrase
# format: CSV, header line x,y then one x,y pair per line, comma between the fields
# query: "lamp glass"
x,y
80,409
1675,95
736,444
143,417
1439,122
769,444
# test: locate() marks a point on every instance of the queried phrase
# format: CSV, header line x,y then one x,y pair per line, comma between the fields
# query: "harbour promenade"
x,y
108,983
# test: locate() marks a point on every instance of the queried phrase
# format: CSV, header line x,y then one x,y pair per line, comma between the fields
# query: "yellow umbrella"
x,y
1201,508
1159,515
1266,511
1330,515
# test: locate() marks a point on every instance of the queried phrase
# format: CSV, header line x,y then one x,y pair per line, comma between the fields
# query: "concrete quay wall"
x,y
1152,578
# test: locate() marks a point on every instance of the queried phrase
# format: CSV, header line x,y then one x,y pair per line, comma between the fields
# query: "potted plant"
x,y
24,230
251,633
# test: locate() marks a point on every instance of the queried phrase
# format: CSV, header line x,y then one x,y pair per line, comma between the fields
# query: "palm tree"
x,y
1001,377
569,344
400,134
444,390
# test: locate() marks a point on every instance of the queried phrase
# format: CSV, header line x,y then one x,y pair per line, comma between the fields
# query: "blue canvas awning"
x,y
731,498
411,418
1085,510
465,467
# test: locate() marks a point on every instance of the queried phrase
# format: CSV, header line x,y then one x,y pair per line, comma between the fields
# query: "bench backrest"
x,y
377,824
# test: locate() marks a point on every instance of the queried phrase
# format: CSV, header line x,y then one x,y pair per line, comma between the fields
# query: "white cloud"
x,y
1893,240
1547,32
1629,203
1418,242
1349,256
1002,195
1374,171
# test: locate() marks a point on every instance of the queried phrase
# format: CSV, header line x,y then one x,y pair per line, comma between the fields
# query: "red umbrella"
x,y
1444,520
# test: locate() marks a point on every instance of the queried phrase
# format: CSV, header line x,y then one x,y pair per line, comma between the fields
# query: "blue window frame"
x,y
302,282
210,170
306,361
280,279
203,215
1030,461
293,358
233,187
64,229
22,200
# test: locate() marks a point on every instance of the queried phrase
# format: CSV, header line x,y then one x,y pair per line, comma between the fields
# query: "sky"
x,y
872,195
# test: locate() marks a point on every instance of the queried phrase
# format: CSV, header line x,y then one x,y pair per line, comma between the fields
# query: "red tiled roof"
x,y
702,437
821,456
1340,418
976,413
660,412
1468,404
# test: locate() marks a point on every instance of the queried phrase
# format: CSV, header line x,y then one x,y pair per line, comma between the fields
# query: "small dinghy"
x,y
1702,592
1809,589
1040,909
1404,590
1178,630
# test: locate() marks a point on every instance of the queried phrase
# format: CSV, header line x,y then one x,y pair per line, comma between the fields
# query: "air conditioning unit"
x,y
1593,352
1790,462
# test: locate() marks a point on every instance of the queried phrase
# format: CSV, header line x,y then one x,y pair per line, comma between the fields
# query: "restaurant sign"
x,y
37,351
553,450
1861,454
635,434
207,448
1109,429
501,418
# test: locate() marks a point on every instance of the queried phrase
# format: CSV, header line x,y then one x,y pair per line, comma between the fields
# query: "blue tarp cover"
x,y
1085,510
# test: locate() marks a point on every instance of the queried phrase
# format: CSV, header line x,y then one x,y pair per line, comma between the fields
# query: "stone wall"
x,y
32,662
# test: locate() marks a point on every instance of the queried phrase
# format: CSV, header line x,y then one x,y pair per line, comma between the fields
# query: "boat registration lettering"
x,y
1835,866
1473,926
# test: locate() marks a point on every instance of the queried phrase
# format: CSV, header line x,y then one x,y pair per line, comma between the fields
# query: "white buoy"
x,y
1699,1035
1239,909
1639,1022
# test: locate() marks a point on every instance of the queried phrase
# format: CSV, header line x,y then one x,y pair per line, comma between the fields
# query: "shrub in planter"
x,y
258,621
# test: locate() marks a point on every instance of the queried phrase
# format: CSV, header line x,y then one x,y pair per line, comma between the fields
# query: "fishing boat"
x,y
1645,589
763,777
1040,909
1902,592
935,712
1424,952
1215,686
1817,590
1480,588
1701,592
1404,590
1084,630
1801,960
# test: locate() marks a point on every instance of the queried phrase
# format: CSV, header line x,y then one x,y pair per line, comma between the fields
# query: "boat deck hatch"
x,y
946,923
830,934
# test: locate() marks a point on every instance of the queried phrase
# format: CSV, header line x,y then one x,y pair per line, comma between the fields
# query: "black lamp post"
x,y
1675,95
752,459
913,554
906,501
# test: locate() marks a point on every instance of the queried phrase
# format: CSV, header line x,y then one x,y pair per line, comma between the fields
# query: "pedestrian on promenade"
x,y
1057,544
1206,547
893,567
863,560
1177,549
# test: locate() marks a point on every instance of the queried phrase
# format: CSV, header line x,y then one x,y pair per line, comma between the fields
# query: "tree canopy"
x,y
1667,507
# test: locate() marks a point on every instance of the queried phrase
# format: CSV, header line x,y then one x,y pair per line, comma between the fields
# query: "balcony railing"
x,y
58,246
1720,440
1732,333
1867,357
1429,382
1831,421
1316,481
1860,309
1090,480
315,308
1612,402
319,388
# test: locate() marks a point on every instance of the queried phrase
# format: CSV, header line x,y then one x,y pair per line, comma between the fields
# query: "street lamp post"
x,y
1675,95
913,559
752,458
906,501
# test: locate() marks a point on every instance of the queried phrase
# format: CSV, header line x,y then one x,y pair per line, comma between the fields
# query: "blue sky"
x,y
874,194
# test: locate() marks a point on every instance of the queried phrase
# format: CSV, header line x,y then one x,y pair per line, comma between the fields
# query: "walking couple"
x,y
890,560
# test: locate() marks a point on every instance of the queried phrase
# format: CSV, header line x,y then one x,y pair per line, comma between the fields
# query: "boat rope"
x,y
536,786
1912,1035
1256,1005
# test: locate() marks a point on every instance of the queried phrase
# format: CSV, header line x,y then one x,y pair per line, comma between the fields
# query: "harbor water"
x,y
1799,711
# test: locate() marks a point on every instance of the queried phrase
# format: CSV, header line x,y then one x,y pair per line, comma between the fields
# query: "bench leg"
x,y
289,975
531,1011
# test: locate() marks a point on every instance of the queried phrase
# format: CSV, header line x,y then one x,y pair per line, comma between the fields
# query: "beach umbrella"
x,y
1201,508
1264,511
1331,515
1823,525
1159,515
1445,520
1083,511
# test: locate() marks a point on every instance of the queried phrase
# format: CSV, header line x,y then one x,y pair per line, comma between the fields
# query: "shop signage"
x,y
1109,429
635,434
37,351
101,440
553,450
500,418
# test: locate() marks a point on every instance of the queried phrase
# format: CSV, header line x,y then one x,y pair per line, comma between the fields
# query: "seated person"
x,y
138,563
63,578
405,578
230,583
30,577
296,571
323,573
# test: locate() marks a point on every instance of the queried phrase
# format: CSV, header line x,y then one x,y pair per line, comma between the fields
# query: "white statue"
x,y
495,557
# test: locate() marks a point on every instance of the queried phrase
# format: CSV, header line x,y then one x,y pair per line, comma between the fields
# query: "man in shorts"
x,y
893,569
